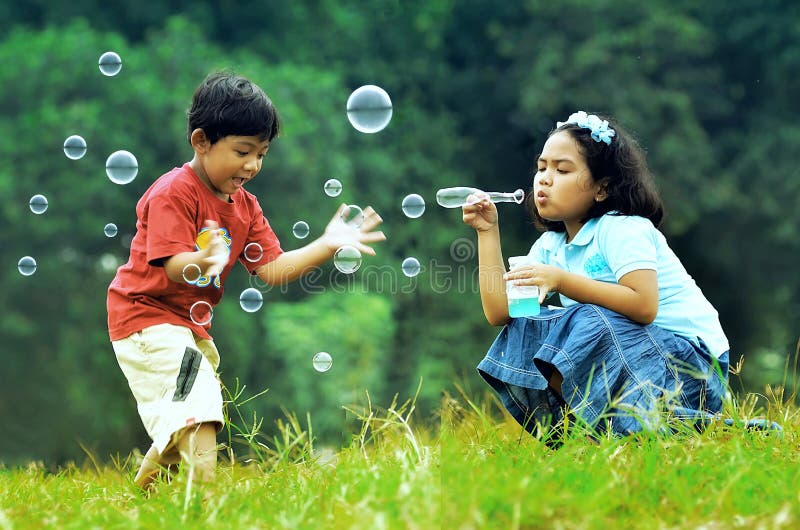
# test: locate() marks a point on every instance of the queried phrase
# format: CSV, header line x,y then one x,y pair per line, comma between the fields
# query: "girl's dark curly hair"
x,y
622,165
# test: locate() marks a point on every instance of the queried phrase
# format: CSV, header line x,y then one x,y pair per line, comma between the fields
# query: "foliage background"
x,y
709,89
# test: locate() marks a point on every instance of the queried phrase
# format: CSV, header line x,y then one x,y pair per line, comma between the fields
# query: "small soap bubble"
x,y
369,109
26,266
300,230
253,252
191,273
38,204
352,215
332,187
110,64
110,230
251,300
121,167
322,361
201,313
75,147
413,205
410,267
347,259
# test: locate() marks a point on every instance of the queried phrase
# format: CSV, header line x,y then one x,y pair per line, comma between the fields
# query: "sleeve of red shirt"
x,y
171,228
261,233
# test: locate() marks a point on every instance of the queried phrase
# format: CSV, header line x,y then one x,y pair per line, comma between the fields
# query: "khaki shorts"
x,y
172,374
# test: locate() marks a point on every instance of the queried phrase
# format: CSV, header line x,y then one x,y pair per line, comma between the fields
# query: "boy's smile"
x,y
225,166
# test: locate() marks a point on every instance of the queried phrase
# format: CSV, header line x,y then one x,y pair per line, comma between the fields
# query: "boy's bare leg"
x,y
199,445
154,464
149,470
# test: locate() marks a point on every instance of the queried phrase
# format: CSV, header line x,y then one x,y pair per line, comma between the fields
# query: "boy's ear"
x,y
200,141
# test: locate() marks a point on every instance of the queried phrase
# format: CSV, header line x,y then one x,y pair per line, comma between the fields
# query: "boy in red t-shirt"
x,y
193,224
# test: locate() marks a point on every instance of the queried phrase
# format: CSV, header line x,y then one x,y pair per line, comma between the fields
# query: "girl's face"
x,y
563,186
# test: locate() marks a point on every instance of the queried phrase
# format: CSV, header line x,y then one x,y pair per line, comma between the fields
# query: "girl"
x,y
635,333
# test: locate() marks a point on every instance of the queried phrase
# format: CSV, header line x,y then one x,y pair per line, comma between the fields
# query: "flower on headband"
x,y
601,132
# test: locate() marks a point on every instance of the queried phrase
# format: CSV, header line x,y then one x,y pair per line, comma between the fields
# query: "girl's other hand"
x,y
546,277
480,213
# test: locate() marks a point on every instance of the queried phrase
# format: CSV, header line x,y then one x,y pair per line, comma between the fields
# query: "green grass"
x,y
477,471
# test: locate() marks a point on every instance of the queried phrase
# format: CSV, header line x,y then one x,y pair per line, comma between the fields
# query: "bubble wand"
x,y
458,196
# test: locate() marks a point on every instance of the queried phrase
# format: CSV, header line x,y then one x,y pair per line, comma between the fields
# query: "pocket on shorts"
x,y
187,374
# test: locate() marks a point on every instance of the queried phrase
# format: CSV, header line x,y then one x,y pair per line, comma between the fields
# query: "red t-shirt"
x,y
170,219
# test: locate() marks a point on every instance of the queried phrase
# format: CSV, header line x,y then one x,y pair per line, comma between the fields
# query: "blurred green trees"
x,y
476,86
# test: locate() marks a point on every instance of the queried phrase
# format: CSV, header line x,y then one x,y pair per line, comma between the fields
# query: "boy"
x,y
193,224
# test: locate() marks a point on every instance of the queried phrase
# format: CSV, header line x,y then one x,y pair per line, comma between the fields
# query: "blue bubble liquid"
x,y
523,307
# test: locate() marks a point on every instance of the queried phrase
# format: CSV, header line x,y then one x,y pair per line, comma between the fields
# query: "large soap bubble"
x,y
121,167
369,109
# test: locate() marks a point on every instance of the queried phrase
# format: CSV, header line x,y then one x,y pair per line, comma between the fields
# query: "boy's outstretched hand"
x,y
339,233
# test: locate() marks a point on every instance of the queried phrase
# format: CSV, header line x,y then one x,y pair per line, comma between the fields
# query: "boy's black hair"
x,y
227,104
622,165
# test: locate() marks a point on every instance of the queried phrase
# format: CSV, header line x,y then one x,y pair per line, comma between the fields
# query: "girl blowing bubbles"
x,y
635,333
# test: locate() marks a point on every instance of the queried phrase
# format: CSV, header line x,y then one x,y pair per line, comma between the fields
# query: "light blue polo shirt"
x,y
609,247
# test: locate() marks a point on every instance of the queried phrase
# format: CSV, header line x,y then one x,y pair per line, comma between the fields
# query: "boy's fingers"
x,y
370,222
364,249
342,208
372,237
371,219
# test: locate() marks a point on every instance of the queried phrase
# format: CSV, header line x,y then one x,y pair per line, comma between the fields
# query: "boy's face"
x,y
231,162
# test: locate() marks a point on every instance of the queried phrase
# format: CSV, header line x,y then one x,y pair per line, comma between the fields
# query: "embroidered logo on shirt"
x,y
595,265
202,242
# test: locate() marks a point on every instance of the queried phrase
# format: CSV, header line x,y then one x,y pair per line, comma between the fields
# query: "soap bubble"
x,y
38,204
121,167
322,361
332,187
253,252
110,64
191,273
251,300
347,259
352,215
75,147
201,313
410,267
110,230
26,266
369,109
413,206
300,230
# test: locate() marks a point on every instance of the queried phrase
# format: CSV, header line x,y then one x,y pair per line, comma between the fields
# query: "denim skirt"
x,y
618,376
